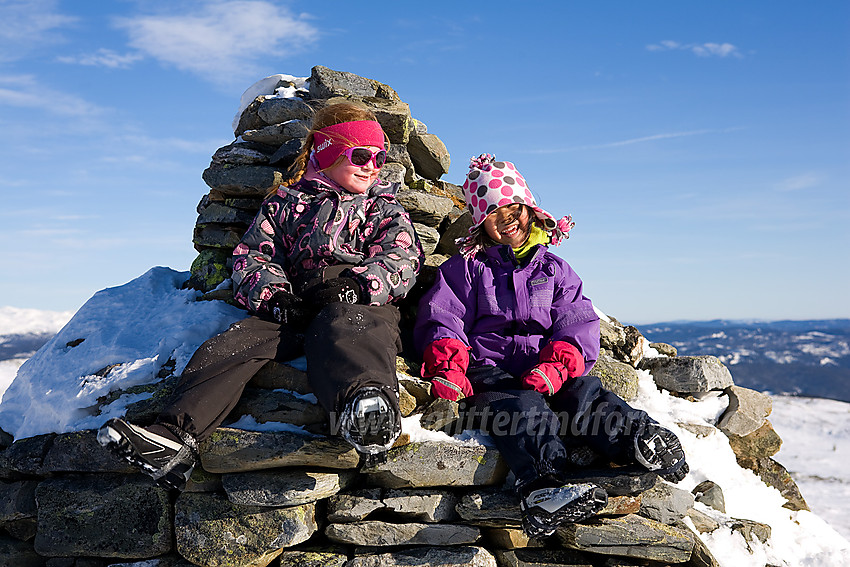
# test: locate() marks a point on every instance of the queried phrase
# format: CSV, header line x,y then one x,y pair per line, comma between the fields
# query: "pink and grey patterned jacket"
x,y
310,226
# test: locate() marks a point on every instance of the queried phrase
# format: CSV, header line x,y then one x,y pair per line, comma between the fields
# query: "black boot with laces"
x,y
166,455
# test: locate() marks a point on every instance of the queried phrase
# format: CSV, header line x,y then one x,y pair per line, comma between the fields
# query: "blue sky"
x,y
701,147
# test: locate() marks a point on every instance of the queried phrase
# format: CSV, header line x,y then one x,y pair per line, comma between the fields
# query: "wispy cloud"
x,y
220,41
631,141
29,24
800,182
24,91
700,49
103,58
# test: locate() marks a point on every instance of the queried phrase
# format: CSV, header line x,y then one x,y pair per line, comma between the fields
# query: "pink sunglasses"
x,y
360,156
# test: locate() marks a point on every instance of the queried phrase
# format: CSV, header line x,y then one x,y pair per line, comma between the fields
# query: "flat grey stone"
x,y
422,505
665,503
440,414
354,506
431,463
242,153
429,154
630,536
243,180
394,118
393,172
456,556
277,110
545,558
234,450
429,237
116,516
17,500
688,373
327,83
79,451
25,457
218,212
275,375
425,208
278,134
491,508
283,487
212,531
217,236
374,533
312,559
619,481
619,377
702,521
746,412
279,406
460,223
752,530
710,494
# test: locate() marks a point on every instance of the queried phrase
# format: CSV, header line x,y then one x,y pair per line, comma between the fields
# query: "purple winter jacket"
x,y
507,313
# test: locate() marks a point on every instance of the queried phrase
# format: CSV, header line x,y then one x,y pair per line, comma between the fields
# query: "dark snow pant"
x,y
533,433
348,347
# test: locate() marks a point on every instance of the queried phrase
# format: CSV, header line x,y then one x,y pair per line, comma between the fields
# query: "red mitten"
x,y
445,362
559,361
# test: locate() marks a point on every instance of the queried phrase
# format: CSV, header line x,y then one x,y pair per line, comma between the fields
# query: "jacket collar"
x,y
317,186
503,255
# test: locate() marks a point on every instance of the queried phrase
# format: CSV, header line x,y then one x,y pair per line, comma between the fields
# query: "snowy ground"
x,y
816,449
141,325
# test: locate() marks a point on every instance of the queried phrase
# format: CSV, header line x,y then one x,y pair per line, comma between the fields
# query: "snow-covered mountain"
x,y
143,323
806,358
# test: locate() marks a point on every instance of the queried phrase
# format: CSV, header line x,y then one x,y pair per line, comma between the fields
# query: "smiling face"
x,y
354,178
509,225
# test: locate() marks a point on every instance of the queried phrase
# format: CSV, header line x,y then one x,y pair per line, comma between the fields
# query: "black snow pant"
x,y
348,347
533,433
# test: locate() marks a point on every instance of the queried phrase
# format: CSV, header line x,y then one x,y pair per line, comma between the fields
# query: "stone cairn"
x,y
270,132
299,497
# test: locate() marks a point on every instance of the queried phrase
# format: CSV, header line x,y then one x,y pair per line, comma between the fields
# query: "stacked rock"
x,y
294,495
269,133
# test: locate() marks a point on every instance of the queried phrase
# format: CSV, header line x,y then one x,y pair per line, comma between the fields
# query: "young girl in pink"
x,y
319,271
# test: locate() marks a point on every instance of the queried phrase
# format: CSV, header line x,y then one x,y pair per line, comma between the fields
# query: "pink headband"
x,y
331,141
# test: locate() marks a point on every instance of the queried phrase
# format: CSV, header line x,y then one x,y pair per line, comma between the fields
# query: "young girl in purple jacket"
x,y
319,270
507,329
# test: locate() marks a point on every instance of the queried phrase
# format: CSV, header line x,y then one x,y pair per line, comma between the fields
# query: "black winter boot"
x,y
369,422
660,451
168,458
545,509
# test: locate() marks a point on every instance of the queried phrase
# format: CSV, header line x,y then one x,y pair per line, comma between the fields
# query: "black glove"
x,y
336,290
288,309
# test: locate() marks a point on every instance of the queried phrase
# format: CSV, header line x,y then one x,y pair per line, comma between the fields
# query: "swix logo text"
x,y
323,145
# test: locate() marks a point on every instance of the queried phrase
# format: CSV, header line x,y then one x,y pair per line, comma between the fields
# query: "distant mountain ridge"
x,y
805,358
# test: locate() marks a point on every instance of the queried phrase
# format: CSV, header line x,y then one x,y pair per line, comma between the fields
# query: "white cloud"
x,y
29,24
799,182
700,49
103,58
23,91
219,40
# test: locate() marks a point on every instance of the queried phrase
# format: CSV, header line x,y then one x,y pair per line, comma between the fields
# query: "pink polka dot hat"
x,y
491,184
